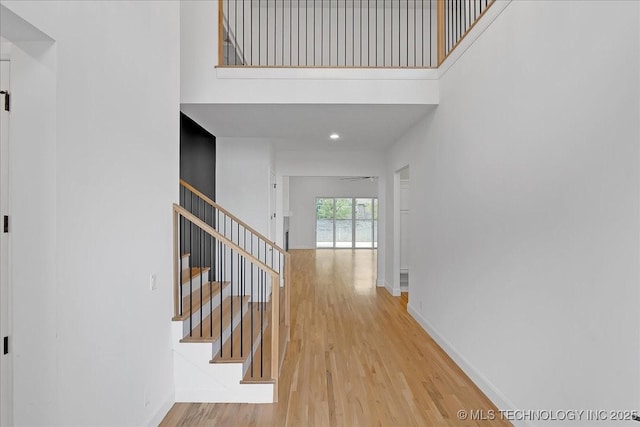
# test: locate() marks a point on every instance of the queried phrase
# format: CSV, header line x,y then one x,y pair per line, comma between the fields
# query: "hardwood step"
x,y
261,373
244,335
210,291
202,332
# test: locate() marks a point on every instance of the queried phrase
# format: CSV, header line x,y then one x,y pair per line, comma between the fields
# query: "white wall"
x,y
528,214
303,192
94,166
242,179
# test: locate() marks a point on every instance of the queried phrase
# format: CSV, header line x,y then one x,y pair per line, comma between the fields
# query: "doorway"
x,y
404,230
6,369
401,233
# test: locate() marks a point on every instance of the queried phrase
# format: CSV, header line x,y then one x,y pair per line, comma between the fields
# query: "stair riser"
x,y
256,356
185,262
210,383
226,333
194,284
209,306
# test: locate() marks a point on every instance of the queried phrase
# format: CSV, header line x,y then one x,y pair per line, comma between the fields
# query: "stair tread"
x,y
210,290
261,375
189,274
242,353
202,331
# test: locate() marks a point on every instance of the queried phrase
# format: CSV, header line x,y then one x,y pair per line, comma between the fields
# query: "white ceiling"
x,y
308,126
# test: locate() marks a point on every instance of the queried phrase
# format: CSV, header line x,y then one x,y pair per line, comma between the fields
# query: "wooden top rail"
x,y
195,191
214,233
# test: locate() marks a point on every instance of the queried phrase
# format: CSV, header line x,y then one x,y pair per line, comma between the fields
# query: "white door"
x,y
5,318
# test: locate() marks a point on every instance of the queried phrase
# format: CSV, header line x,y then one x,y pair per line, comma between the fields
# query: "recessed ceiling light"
x,y
334,136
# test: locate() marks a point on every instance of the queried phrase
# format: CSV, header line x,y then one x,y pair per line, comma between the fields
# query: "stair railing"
x,y
246,237
251,241
225,295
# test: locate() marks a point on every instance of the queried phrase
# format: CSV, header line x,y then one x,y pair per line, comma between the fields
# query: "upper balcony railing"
x,y
343,33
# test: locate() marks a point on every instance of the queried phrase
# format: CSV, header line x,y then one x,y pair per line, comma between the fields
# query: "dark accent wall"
x,y
198,168
197,156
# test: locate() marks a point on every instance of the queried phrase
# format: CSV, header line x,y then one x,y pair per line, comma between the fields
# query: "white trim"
x,y
6,264
328,73
394,292
490,390
162,412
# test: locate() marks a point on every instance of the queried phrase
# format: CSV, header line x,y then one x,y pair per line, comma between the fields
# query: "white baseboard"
x,y
393,291
478,378
161,413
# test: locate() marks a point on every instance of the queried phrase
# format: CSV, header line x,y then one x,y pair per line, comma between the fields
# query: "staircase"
x,y
231,305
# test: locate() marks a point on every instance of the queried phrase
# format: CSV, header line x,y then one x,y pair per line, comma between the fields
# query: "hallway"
x,y
356,357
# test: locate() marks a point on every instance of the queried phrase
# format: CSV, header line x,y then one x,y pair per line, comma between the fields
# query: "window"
x,y
346,222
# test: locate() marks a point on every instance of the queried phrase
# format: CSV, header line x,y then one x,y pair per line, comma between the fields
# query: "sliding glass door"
x,y
325,230
346,222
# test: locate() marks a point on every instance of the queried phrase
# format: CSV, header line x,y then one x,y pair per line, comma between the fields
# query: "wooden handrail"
x,y
198,193
214,233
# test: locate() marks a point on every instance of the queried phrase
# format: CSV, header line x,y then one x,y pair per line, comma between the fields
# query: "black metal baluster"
x,y
361,31
253,301
228,32
244,56
212,276
345,35
353,35
384,33
231,313
221,269
235,28
329,33
201,247
321,32
241,275
460,23
190,280
430,34
262,305
399,34
267,37
181,243
337,33
298,25
368,32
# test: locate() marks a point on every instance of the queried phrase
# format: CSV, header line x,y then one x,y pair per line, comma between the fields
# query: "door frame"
x,y
6,363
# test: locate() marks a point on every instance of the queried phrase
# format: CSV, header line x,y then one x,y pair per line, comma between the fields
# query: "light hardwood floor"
x,y
356,358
